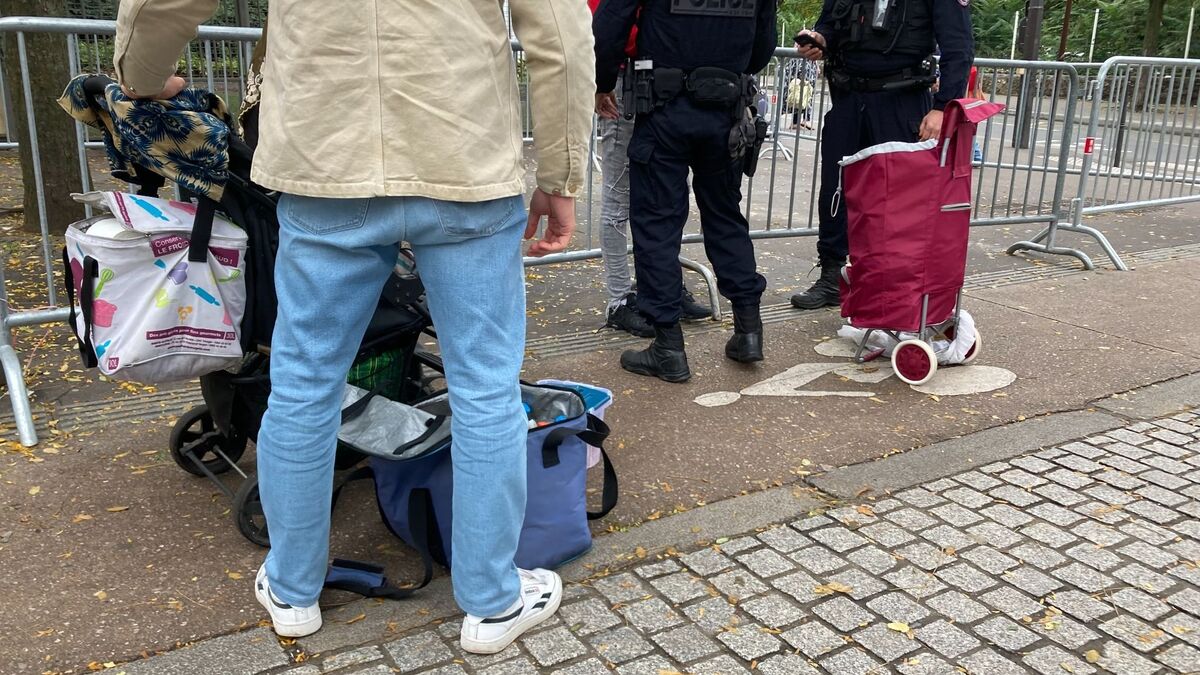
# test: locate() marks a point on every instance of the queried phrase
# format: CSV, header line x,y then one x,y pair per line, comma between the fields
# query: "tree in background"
x,y
799,14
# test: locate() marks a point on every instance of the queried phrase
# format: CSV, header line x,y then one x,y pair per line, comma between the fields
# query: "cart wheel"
x,y
196,436
914,361
248,513
974,350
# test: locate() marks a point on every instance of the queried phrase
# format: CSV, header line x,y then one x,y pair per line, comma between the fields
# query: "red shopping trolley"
x,y
909,211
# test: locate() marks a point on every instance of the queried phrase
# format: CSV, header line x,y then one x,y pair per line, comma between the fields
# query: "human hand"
x,y
606,105
173,86
931,126
810,51
560,222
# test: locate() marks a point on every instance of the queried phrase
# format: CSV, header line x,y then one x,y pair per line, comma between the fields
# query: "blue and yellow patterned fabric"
x,y
184,139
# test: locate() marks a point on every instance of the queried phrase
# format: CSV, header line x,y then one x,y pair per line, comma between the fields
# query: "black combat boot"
x,y
746,344
664,358
826,292
692,310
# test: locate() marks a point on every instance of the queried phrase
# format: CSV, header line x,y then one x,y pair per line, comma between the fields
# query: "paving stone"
x,y
1021,478
989,559
706,562
1165,480
885,643
680,587
1031,581
1153,512
554,646
1144,578
994,534
621,588
1049,453
1099,534
898,607
862,585
958,607
721,665
1186,572
784,539
1094,556
750,642
818,560
1031,464
1080,605
940,485
1066,632
1055,513
1047,534
1184,627
1148,532
740,545
1119,479
1192,508
991,663
1146,554
1037,555
956,515
711,615
1169,436
783,664
1187,550
1109,495
811,522
1105,513
995,467
948,537
914,581
843,613
965,577
773,610
813,639
1117,658
1079,464
919,497
1126,436
1011,602
967,497
738,584
588,667
651,615
571,592
945,639
852,661
381,669
1007,515
977,480
353,657
1127,451
925,664
1177,425
1052,660
910,519
1168,450
686,643
657,569
1140,603
886,534
418,651
1068,478
925,556
1088,449
838,538
885,505
1014,495
1188,600
1141,636
766,563
1005,633
649,665
798,585
1169,465
589,616
872,559
1189,527
852,517
1084,577
1182,658
620,645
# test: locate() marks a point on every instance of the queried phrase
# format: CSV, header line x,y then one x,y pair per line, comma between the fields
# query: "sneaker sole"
x,y
519,629
288,630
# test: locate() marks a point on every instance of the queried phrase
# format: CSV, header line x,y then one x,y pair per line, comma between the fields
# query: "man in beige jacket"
x,y
371,129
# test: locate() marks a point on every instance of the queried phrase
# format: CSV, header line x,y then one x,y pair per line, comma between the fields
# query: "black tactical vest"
x,y
903,27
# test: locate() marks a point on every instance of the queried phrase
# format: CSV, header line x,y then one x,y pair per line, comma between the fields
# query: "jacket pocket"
x,y
467,220
319,215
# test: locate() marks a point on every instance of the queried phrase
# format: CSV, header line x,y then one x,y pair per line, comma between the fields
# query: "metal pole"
x,y
1012,50
1066,28
1031,43
1095,25
39,186
1187,45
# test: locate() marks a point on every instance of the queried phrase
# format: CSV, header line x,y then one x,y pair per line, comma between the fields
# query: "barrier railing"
x,y
1144,110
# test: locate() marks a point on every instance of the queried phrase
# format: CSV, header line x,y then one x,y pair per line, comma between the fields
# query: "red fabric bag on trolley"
x,y
908,212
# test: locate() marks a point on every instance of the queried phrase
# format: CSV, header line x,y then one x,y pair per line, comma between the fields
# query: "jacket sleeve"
x,y
765,36
952,28
557,39
611,25
151,34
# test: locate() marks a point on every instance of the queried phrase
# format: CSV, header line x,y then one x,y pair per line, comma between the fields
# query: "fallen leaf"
x,y
233,575
80,518
831,588
1091,655
640,552
876,399
1067,667
865,510
356,619
100,595
35,489
900,627
117,509
1150,637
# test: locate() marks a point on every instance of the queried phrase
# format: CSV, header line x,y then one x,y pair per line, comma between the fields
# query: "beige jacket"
x,y
369,98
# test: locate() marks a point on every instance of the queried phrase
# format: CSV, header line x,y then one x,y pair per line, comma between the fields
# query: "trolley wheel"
x,y
914,361
195,434
248,513
974,350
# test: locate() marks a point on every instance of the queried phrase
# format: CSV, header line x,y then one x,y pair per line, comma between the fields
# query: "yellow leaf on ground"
x,y
1091,655
233,575
640,552
356,619
80,518
35,489
865,510
100,595
117,509
900,627
831,588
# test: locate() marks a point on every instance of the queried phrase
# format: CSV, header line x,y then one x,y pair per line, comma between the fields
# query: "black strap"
x,y
202,226
609,492
87,297
69,277
595,434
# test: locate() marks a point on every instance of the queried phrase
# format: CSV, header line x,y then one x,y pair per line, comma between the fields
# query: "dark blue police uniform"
x,y
878,58
684,130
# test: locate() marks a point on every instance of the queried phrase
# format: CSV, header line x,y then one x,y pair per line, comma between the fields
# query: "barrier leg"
x,y
1035,245
710,280
1102,241
15,379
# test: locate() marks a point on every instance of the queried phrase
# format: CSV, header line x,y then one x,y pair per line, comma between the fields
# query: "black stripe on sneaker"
x,y
503,619
280,605
539,605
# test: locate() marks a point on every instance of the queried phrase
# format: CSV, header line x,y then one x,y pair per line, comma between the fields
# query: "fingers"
x,y
531,224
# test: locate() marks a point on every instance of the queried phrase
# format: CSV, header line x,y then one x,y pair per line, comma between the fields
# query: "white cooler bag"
x,y
157,288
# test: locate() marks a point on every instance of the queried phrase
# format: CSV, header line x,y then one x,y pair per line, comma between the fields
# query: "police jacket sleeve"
x,y
952,28
611,25
824,25
151,34
765,36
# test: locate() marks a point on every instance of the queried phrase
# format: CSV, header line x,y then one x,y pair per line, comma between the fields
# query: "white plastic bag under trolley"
x,y
157,288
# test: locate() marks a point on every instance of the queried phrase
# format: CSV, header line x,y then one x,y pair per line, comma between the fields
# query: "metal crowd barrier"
x,y
1139,115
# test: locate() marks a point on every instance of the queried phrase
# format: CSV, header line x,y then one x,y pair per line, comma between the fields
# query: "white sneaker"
x,y
288,621
541,593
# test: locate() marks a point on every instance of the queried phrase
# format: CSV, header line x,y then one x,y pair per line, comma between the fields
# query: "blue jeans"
x,y
334,257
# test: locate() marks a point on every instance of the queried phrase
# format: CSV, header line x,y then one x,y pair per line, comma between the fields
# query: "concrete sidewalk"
x,y
1070,543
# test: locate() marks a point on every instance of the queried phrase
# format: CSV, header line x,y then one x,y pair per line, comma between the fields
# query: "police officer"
x,y
691,90
880,66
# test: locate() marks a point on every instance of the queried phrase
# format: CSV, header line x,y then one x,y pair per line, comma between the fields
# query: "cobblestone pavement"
x,y
1079,559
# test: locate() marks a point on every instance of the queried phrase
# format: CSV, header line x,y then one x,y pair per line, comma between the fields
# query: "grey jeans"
x,y
614,204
